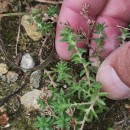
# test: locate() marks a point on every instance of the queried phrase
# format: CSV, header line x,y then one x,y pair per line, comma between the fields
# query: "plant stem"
x,y
51,79
87,112
41,49
17,39
13,14
50,2
123,27
86,70
80,104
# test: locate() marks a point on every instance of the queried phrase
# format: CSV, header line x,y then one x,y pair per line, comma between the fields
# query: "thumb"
x,y
114,73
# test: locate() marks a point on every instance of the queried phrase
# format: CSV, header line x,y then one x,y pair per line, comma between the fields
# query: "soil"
x,y
116,116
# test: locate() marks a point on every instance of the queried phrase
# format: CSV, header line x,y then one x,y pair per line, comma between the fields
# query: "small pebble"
x,y
27,62
35,79
3,68
12,76
3,77
2,109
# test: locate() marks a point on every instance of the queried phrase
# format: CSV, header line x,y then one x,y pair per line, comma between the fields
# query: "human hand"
x,y
114,72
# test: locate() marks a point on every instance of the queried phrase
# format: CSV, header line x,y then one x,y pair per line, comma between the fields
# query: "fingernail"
x,y
112,84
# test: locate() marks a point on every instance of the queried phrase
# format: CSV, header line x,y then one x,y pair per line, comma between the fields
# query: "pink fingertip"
x,y
112,84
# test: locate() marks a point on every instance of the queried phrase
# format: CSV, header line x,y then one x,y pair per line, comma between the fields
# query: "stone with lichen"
x,y
3,68
11,76
29,100
35,79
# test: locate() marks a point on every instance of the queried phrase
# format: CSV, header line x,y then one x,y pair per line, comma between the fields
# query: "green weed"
x,y
72,99
44,21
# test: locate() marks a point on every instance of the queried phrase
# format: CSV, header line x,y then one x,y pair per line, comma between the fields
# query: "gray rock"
x,y
35,79
3,68
29,100
27,62
3,77
11,76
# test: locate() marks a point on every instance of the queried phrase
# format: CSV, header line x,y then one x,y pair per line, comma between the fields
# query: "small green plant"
x,y
44,21
125,34
99,32
53,10
72,99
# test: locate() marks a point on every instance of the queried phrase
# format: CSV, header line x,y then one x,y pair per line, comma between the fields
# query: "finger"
x,y
114,73
113,15
70,12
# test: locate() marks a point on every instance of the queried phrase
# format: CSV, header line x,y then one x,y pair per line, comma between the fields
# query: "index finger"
x,y
70,12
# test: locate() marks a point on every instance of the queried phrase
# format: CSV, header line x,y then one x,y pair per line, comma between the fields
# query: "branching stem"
x,y
86,70
87,113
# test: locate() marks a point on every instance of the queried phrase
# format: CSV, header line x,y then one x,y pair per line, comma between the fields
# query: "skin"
x,y
114,72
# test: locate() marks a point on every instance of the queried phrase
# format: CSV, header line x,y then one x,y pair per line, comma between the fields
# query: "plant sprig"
x,y
125,34
77,58
100,35
73,102
76,99
44,21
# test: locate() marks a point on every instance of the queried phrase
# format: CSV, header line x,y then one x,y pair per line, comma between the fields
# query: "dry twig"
x,y
17,39
51,80
13,14
50,1
41,48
